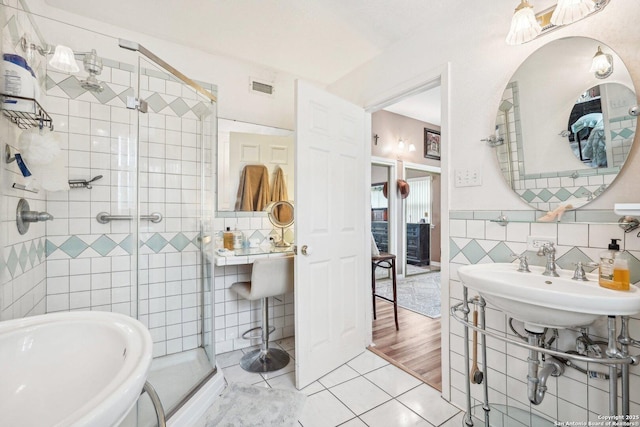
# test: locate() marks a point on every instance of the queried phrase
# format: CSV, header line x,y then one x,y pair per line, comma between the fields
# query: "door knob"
x,y
306,250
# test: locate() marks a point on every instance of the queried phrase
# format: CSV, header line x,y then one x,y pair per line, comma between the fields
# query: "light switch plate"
x,y
468,178
536,242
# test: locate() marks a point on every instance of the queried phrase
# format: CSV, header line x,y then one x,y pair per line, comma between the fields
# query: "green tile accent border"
x,y
23,257
107,245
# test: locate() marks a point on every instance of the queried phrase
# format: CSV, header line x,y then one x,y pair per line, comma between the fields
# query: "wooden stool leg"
x,y
395,293
373,287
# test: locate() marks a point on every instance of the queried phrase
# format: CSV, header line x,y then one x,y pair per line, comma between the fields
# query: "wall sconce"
x,y
63,58
527,25
602,64
401,146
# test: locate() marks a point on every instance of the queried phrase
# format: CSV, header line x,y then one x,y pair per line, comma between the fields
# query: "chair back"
x,y
271,277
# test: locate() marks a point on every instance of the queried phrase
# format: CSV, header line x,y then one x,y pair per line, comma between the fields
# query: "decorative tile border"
x,y
22,257
116,93
118,244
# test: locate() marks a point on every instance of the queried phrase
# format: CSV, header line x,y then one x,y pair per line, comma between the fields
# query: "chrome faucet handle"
x,y
524,263
580,274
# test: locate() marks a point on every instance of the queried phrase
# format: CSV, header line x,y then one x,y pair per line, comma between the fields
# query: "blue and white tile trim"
x,y
582,235
116,93
79,246
23,256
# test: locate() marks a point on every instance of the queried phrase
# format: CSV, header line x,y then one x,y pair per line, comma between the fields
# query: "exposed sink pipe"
x,y
537,379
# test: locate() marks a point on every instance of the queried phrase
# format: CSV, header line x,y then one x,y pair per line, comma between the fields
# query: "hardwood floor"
x,y
414,348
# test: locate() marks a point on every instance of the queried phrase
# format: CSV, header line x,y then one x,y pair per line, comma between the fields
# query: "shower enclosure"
x,y
134,241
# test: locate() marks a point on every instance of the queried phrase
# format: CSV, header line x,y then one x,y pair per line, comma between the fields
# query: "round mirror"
x,y
564,130
280,213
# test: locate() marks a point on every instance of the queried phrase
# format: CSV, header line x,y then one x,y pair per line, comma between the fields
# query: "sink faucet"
x,y
549,250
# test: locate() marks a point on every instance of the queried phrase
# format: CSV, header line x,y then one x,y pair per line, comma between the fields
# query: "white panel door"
x,y
330,225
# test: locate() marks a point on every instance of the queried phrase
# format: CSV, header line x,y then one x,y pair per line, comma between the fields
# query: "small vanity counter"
x,y
248,255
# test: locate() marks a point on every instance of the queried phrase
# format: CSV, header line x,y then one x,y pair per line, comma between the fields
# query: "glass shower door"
x,y
174,209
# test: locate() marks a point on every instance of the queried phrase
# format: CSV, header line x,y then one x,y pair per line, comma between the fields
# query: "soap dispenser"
x,y
607,266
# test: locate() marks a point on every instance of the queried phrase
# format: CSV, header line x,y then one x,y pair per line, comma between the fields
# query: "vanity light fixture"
x,y
62,60
526,25
602,64
569,11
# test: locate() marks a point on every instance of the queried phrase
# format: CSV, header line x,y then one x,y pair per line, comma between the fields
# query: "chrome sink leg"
x,y
624,339
612,351
483,344
465,309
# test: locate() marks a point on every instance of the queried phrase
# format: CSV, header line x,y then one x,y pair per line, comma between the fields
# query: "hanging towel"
x,y
253,191
279,190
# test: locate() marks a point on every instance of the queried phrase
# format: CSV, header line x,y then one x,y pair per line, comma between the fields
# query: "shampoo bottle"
x,y
607,261
227,238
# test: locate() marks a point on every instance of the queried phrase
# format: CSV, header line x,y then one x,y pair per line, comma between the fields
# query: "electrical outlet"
x,y
536,242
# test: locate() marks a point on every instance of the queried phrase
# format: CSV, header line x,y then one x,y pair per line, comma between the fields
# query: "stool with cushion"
x,y
269,277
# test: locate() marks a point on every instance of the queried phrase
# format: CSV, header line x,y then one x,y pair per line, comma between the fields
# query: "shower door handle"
x,y
104,217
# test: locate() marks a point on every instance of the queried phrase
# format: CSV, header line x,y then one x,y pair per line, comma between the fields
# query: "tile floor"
x,y
366,391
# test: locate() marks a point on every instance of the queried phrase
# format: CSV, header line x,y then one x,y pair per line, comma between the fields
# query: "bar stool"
x,y
269,277
388,261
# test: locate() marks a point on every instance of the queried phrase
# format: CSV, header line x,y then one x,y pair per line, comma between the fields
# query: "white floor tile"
x,y
365,386
393,414
238,375
426,402
455,421
356,422
287,343
340,375
324,410
393,380
283,382
367,362
224,360
360,395
291,366
288,382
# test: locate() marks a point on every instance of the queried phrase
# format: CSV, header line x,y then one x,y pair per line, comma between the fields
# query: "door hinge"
x,y
134,103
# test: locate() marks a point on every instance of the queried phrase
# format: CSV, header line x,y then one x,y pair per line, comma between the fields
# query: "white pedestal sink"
x,y
541,301
71,369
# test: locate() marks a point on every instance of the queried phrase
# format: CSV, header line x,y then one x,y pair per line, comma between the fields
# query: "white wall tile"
x,y
573,234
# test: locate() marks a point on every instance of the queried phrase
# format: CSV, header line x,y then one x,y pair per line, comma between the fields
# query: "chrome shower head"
x,y
92,84
93,66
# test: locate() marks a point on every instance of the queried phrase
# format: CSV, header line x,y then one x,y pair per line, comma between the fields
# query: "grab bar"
x,y
104,217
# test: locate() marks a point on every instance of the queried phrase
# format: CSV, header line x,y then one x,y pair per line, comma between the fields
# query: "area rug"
x,y
419,293
242,405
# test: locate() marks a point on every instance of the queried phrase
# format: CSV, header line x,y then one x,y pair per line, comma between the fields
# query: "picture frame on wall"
x,y
432,144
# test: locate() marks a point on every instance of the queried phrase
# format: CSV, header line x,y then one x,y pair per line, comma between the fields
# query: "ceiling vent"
x,y
261,88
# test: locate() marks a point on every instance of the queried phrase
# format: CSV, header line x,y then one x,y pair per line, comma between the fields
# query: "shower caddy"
x,y
617,354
